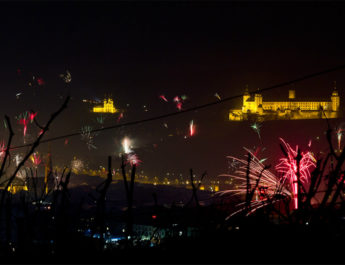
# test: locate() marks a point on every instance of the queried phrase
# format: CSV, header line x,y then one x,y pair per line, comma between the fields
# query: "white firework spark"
x,y
88,136
66,77
269,183
131,157
77,164
18,158
126,145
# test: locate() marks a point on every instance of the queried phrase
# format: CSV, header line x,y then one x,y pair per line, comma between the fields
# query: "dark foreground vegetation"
x,y
44,225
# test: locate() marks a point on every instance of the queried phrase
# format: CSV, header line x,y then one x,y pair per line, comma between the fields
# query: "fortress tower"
x,y
246,96
335,99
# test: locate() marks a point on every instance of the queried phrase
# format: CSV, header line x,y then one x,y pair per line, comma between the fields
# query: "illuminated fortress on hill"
x,y
255,108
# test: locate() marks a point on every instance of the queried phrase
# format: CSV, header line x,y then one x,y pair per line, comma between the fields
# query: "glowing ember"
x,y
120,117
40,81
163,97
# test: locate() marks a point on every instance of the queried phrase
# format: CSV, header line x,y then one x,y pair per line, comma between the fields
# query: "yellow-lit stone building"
x,y
16,187
108,107
254,106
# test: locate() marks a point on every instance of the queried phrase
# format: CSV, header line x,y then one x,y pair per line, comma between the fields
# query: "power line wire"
x,y
340,67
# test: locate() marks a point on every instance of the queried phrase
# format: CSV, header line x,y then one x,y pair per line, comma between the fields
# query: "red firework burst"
x,y
288,167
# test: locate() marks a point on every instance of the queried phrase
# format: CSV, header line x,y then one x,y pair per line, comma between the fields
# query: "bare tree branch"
x,y
7,153
34,146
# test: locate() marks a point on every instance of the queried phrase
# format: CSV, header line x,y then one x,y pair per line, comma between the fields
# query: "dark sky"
x,y
136,51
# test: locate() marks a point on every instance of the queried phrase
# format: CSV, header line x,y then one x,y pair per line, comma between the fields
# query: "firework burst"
x,y
289,169
77,165
256,127
120,117
24,122
178,102
163,98
88,136
126,145
133,159
191,128
268,179
101,119
32,116
17,159
67,77
267,185
340,133
24,119
36,160
217,96
2,149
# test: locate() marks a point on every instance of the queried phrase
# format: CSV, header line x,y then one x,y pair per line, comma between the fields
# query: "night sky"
x,y
136,51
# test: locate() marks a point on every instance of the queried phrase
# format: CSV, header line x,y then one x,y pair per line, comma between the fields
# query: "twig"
x,y
36,122
195,196
328,135
7,153
257,182
129,194
101,204
248,184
